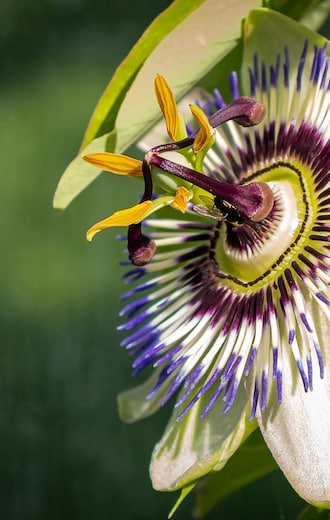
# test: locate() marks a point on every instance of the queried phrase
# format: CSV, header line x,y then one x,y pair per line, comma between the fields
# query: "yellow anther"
x,y
115,163
206,132
123,217
181,199
168,106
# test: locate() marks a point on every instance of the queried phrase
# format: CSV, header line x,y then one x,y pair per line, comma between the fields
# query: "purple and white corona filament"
x,y
222,296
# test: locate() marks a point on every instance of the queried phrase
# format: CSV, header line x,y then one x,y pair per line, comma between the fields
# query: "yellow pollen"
x,y
205,133
181,199
123,217
115,163
168,106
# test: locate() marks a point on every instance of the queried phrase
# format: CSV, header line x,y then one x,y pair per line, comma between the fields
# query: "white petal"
x,y
298,432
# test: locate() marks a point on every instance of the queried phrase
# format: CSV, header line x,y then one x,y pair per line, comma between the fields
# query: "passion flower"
x,y
230,304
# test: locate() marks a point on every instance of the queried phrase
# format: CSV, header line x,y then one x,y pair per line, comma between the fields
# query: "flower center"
x,y
252,256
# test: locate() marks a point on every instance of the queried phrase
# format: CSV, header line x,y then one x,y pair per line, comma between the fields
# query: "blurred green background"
x,y
64,454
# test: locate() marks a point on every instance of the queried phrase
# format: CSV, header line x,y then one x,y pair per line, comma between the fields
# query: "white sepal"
x,y
192,447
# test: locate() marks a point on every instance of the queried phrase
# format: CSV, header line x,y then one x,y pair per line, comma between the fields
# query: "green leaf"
x,y
316,17
252,461
311,13
199,40
104,116
184,57
79,173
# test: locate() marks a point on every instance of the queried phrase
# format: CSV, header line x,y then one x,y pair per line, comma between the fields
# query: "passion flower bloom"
x,y
230,302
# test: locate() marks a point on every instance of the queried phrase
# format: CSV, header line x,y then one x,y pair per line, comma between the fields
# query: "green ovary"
x,y
285,232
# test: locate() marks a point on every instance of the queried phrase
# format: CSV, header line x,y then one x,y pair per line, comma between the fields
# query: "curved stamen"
x,y
244,111
254,201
